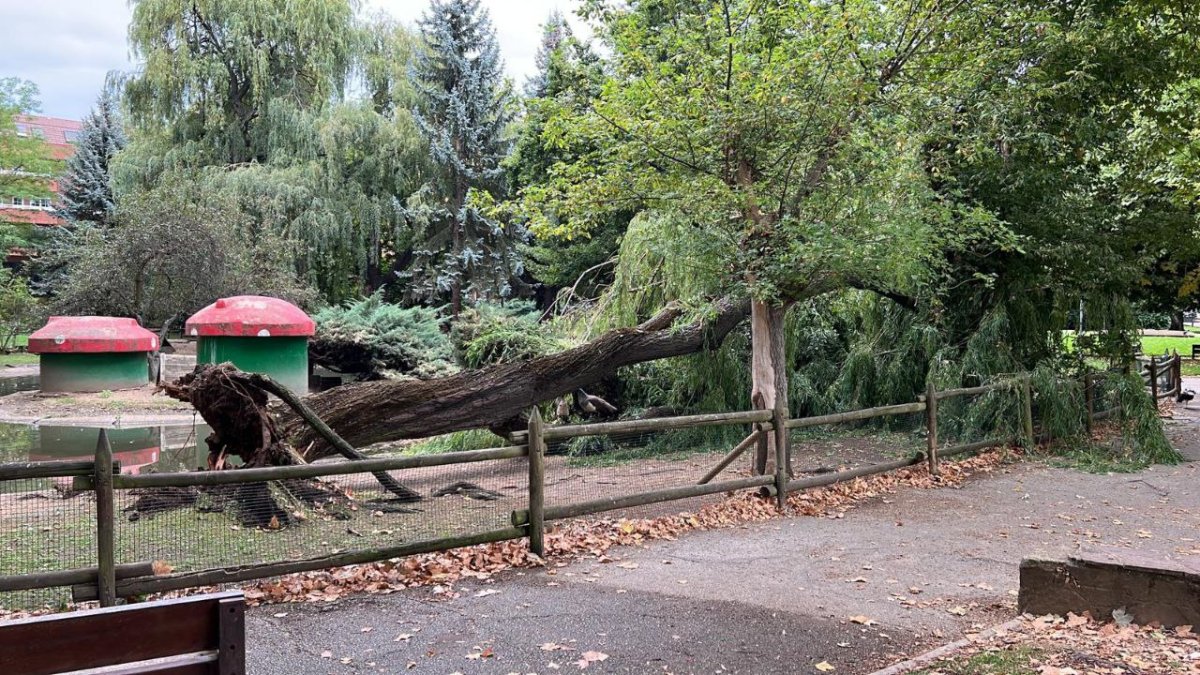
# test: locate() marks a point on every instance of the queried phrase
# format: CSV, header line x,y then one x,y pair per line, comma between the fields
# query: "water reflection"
x,y
11,385
138,449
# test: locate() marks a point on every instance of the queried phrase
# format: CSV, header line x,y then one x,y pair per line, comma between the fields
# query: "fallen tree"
x,y
496,397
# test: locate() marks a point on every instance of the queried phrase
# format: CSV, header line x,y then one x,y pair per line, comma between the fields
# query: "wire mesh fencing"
x,y
202,527
202,522
44,526
607,466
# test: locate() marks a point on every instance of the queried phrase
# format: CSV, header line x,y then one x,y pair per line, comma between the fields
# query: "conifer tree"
x,y
555,32
457,248
87,194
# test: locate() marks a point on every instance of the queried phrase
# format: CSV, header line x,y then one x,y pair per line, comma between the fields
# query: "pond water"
x,y
176,447
161,448
11,385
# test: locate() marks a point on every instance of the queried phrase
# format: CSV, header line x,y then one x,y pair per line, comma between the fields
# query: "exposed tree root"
x,y
272,505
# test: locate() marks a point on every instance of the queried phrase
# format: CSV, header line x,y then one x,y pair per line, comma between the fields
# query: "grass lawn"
x,y
1155,346
17,359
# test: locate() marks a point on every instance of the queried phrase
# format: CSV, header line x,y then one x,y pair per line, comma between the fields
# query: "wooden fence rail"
x,y
316,470
109,580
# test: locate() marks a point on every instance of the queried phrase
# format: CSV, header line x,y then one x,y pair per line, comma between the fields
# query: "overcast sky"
x,y
67,46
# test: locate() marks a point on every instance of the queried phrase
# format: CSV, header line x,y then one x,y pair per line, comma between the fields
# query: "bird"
x,y
591,404
1185,396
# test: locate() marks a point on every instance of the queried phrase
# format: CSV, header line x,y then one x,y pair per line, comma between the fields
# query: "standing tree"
x,y
782,140
244,97
556,32
456,247
219,76
570,75
25,161
86,188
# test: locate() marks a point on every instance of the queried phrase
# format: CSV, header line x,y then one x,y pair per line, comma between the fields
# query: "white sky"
x,y
67,46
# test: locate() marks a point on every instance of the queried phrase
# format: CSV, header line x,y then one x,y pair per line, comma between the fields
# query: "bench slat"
x,y
199,663
116,635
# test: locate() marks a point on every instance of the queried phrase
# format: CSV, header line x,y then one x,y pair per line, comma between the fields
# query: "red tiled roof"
x,y
31,216
54,129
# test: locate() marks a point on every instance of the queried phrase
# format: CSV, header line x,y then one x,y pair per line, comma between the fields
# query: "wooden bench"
x,y
201,635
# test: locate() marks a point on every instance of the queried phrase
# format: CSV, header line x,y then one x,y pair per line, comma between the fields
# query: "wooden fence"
x,y
1163,375
109,580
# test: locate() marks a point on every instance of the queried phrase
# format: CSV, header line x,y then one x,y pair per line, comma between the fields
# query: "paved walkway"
x,y
917,568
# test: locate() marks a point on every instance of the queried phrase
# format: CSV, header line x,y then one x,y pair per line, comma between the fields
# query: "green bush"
x,y
487,334
373,337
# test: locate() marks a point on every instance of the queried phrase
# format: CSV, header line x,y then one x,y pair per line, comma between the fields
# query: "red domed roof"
x,y
91,335
250,316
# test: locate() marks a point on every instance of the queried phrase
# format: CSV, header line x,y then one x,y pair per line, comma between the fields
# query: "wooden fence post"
x,y
1176,373
1027,409
106,563
1154,379
931,426
537,484
782,455
1089,396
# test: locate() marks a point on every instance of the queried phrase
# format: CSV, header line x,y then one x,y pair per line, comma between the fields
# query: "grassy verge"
x,y
17,359
1010,661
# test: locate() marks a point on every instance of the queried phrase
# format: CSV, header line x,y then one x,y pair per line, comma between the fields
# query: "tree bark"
x,y
768,372
1177,320
496,397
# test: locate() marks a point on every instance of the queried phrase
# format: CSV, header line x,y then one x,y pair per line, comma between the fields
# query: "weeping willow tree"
x,y
247,98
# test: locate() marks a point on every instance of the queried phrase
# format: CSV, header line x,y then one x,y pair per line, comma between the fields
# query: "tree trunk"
x,y
1177,321
768,372
497,397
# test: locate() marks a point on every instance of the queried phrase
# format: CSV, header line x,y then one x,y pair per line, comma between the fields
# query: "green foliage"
x,y
382,339
487,334
458,250
773,131
570,77
171,251
256,114
1143,440
213,70
25,160
1008,661
86,187
459,441
19,310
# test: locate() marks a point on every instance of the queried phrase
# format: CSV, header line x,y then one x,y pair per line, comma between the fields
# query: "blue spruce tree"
x,y
87,195
459,252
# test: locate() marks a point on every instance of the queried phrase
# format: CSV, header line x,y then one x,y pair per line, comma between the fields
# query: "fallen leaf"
x,y
588,658
486,592
958,611
825,667
402,637
863,620
327,654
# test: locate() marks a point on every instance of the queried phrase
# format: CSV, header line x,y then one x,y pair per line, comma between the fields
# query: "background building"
x,y
60,136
